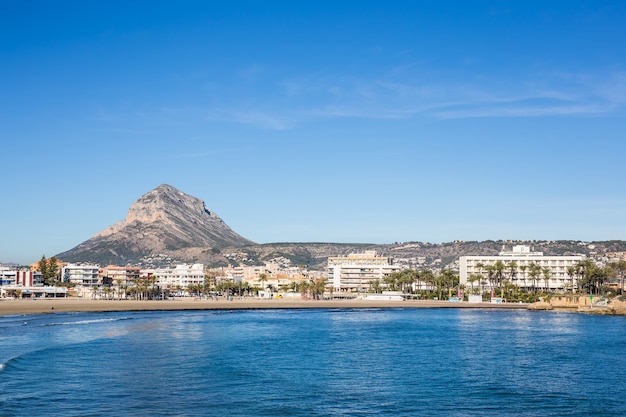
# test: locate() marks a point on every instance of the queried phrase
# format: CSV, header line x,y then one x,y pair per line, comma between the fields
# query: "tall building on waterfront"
x,y
517,268
356,271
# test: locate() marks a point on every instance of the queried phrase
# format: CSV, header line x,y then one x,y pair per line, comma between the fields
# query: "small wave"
x,y
10,362
92,321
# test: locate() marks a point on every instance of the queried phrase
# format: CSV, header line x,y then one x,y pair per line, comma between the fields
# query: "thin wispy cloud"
x,y
298,100
539,97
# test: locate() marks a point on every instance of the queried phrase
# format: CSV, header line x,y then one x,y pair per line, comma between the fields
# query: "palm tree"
x,y
571,272
450,280
304,289
498,269
108,291
391,281
319,286
479,268
510,290
407,280
523,269
472,279
119,288
546,276
263,279
427,277
491,271
512,269
534,271
584,270
375,285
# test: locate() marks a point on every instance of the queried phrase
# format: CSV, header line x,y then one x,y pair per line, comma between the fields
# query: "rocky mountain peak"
x,y
166,202
164,219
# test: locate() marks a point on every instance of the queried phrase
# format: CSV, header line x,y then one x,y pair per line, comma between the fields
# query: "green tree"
x,y
263,279
534,270
407,279
512,269
546,276
392,280
585,272
426,277
472,279
375,286
42,265
491,273
318,288
118,281
523,269
619,268
53,269
571,272
49,269
304,289
498,270
446,281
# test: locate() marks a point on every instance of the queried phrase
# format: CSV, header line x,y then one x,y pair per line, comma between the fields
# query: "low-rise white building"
x,y
517,270
181,276
23,277
356,271
120,275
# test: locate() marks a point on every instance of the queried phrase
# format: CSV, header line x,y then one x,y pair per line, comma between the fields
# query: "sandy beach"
x,y
42,306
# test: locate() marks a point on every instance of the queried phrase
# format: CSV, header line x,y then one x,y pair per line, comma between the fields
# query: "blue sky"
x,y
296,121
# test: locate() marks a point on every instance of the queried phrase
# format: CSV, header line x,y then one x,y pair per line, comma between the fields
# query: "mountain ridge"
x,y
166,226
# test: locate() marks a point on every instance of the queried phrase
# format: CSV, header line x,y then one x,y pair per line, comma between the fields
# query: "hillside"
x,y
410,254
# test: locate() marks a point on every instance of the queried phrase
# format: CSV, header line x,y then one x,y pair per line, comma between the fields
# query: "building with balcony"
x,y
19,277
119,275
81,274
181,276
356,271
517,269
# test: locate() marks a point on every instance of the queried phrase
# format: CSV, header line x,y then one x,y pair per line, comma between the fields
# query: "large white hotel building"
x,y
356,271
522,257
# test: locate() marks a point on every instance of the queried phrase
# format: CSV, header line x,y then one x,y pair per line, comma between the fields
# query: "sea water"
x,y
311,362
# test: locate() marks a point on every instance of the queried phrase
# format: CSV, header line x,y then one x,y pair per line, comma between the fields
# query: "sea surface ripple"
x,y
334,362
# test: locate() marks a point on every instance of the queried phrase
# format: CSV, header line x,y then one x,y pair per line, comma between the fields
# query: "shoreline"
x,y
65,305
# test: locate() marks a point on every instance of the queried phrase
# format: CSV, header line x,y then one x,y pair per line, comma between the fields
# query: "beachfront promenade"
x,y
40,306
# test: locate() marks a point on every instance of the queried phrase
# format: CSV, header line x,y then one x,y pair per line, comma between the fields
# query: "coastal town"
x,y
141,258
516,275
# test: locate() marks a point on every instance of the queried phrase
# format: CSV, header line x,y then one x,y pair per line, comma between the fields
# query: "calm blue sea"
x,y
391,362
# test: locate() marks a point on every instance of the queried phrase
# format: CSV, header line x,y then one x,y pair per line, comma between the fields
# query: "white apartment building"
x,y
81,274
181,276
19,277
517,263
356,271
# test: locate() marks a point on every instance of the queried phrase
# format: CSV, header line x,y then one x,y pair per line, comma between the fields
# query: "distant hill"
x,y
166,226
160,221
409,254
